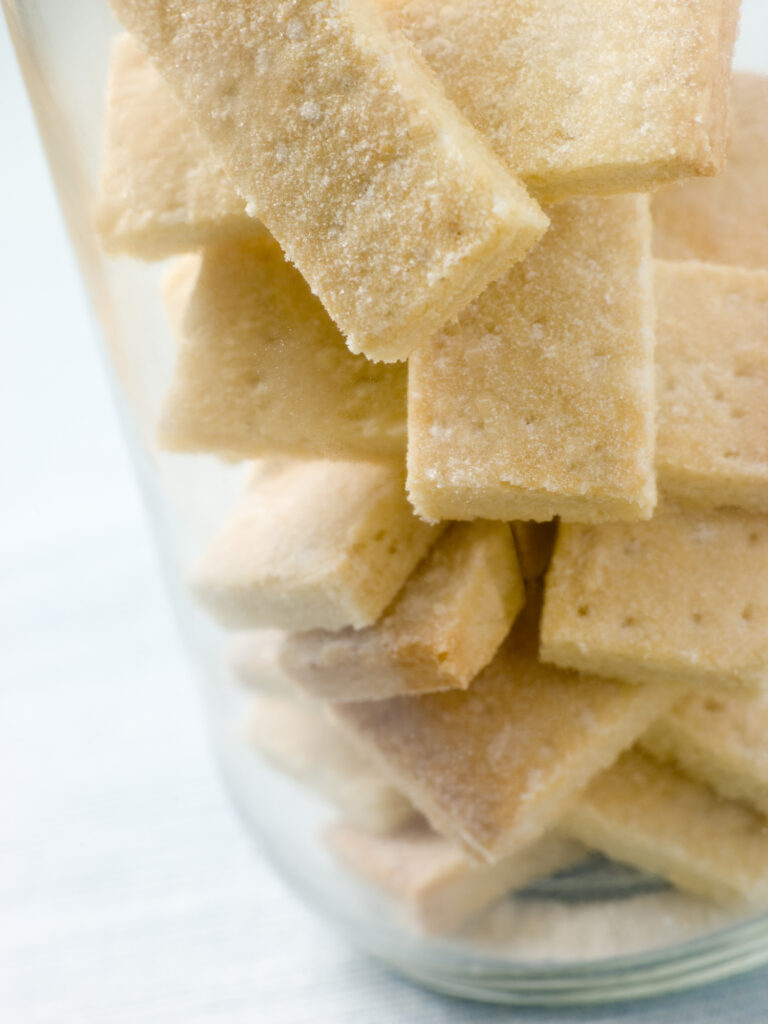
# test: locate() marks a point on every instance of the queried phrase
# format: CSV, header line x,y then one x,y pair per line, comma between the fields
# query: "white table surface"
x,y
128,892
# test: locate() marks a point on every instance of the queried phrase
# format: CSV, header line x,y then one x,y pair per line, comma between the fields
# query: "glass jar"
x,y
591,932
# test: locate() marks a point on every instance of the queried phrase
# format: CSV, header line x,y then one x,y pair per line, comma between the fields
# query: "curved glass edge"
x,y
445,967
723,953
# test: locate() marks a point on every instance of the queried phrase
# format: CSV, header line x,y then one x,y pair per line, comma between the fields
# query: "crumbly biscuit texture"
x,y
650,815
300,741
442,629
312,544
387,200
432,878
719,739
262,369
492,767
583,97
539,399
680,599
161,191
712,375
723,219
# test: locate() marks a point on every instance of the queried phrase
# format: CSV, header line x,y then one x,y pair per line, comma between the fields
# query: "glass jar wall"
x,y
565,925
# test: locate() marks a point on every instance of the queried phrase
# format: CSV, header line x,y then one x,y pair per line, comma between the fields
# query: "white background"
x,y
128,892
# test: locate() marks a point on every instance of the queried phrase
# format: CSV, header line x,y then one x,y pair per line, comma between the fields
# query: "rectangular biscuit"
x,y
312,544
493,766
262,370
680,599
652,816
299,740
720,739
588,97
723,219
538,400
386,199
712,385
433,880
444,626
161,191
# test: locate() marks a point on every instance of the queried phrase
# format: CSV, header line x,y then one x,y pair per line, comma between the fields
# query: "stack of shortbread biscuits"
x,y
480,288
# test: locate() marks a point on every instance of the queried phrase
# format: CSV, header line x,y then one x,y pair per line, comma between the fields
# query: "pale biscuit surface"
x,y
721,739
653,817
253,657
161,191
680,599
579,96
263,370
724,219
386,199
442,629
539,400
300,741
434,880
712,376
494,766
312,544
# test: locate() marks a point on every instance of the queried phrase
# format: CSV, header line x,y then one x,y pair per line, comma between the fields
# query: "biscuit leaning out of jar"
x,y
390,204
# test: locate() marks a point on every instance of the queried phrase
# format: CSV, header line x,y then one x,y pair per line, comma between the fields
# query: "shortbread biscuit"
x,y
443,627
720,739
312,544
712,373
652,816
492,767
300,741
161,191
433,880
539,400
584,97
390,204
262,369
253,657
680,599
534,543
725,219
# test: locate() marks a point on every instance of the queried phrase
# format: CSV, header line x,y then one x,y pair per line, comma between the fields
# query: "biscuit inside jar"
x,y
495,584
